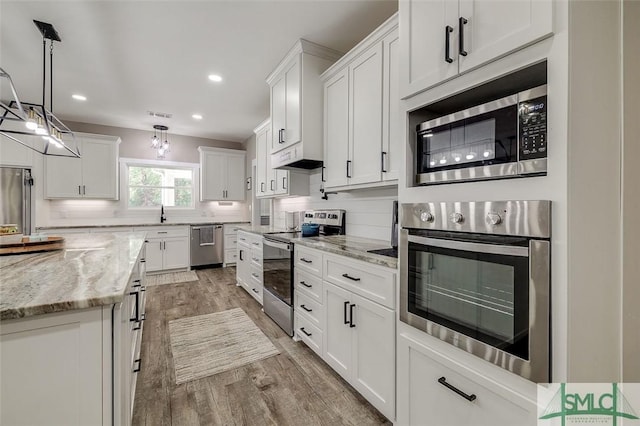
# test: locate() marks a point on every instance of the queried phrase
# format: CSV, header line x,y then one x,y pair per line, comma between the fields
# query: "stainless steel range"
x,y
277,258
476,275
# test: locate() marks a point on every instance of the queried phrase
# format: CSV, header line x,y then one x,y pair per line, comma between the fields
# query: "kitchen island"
x,y
70,331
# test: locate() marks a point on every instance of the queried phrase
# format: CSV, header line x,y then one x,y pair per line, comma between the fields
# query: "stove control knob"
x,y
426,217
494,219
456,217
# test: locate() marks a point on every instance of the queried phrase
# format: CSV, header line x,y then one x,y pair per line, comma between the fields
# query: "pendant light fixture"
x,y
31,124
160,143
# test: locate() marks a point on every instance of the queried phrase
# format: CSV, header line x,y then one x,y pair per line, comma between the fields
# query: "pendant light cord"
x,y
44,68
51,76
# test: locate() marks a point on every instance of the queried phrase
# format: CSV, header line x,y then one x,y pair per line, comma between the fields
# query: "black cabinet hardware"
x,y
79,193
384,154
284,182
137,369
350,277
306,260
281,136
272,182
137,283
443,381
261,186
305,308
305,331
447,41
136,317
348,168
138,327
241,254
255,291
351,324
322,174
461,22
305,284
346,306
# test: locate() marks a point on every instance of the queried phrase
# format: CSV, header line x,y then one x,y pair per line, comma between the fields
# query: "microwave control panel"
x,y
532,123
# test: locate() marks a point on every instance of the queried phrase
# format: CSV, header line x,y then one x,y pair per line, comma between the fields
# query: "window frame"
x,y
126,163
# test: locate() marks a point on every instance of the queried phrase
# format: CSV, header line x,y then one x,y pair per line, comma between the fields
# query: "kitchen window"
x,y
150,186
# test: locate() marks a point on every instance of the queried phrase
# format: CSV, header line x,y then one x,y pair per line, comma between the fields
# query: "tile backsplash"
x,y
368,212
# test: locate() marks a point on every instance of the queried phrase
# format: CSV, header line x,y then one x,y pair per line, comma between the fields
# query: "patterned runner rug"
x,y
210,344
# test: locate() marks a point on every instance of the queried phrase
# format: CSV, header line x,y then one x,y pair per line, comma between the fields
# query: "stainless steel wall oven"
x,y
476,274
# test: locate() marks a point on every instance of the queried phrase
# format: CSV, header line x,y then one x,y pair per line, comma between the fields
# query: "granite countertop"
x,y
261,229
133,225
92,270
354,247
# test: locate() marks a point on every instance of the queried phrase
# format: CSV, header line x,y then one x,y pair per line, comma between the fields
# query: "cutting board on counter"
x,y
27,246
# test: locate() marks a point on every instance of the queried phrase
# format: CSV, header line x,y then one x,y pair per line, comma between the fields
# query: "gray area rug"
x,y
171,278
210,344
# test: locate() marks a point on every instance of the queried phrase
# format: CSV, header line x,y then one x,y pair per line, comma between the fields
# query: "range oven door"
x,y
277,265
486,294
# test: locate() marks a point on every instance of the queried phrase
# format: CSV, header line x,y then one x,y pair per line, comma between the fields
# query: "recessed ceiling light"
x,y
79,97
215,77
197,116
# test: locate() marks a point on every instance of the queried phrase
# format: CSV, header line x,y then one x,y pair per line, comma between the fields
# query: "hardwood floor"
x,y
293,388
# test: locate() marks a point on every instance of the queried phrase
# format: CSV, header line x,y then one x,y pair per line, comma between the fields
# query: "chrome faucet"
x,y
163,218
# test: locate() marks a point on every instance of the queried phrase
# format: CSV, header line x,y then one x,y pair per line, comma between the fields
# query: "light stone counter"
x,y
261,229
92,270
136,225
353,247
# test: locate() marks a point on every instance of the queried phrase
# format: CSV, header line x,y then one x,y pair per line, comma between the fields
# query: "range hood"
x,y
293,158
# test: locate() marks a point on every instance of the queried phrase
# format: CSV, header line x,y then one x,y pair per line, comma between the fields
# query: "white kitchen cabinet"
x,y
75,367
358,344
230,244
222,176
14,154
296,104
249,273
489,29
423,396
167,247
275,182
94,175
360,101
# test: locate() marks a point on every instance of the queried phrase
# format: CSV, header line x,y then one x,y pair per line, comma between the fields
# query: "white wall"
x,y
368,212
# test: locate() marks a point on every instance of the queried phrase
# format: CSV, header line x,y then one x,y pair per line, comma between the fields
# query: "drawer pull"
x,y
253,274
255,291
139,326
255,259
305,332
350,277
162,232
305,284
306,260
306,309
137,369
443,381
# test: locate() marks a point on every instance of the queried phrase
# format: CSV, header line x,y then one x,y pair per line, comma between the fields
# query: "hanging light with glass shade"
x,y
160,143
31,124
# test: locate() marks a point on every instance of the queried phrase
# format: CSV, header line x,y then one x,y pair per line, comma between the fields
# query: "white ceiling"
x,y
130,57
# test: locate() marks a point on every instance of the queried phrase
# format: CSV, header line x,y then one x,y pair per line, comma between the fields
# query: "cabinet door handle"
x,y
84,190
351,324
284,182
350,277
160,245
306,309
461,22
272,182
305,284
447,41
322,174
346,306
305,332
261,186
137,369
348,168
241,254
136,318
306,260
443,381
281,136
384,154
79,191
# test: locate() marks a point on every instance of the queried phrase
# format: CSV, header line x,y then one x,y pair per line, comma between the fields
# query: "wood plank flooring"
x,y
293,388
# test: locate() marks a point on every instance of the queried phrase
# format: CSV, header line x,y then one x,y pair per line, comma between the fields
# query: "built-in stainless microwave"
x,y
503,138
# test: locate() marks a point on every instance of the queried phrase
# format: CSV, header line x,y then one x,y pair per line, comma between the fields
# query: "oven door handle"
x,y
279,245
473,247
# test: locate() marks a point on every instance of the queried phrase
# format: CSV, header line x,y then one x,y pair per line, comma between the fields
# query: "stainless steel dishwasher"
x,y
206,245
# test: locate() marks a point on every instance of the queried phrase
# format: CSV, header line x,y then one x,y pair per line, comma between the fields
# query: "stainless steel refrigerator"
x,y
15,198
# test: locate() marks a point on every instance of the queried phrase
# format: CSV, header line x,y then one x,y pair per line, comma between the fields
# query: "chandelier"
x,y
31,124
160,143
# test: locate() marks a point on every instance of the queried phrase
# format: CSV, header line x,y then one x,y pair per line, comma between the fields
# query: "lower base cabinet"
x,y
249,273
436,389
73,368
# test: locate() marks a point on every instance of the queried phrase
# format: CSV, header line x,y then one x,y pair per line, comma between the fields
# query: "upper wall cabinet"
x,y
442,38
221,174
361,103
14,154
296,105
272,182
94,175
